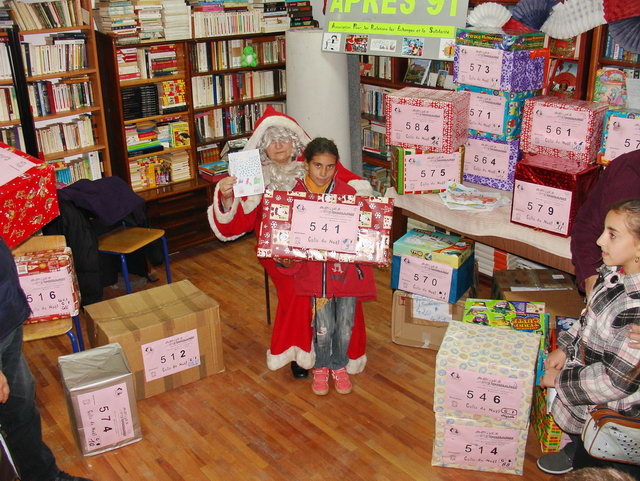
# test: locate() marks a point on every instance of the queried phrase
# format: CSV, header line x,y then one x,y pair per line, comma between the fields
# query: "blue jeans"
x,y
333,324
20,417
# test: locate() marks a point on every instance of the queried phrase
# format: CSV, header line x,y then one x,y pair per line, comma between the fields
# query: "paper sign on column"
x,y
427,278
541,206
106,417
170,355
247,168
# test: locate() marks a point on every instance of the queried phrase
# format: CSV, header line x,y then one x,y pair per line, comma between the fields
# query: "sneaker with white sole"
x,y
320,383
555,463
341,380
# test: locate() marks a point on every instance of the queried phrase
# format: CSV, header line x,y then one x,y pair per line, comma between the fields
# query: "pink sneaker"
x,y
341,380
320,384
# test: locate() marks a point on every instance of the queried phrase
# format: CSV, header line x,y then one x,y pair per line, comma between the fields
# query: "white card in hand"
x,y
247,168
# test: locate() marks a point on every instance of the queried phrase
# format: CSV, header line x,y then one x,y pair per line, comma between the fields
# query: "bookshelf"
x,y
568,66
230,93
55,97
606,54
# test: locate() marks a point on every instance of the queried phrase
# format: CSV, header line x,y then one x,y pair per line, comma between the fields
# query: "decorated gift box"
x,y
624,126
562,127
548,192
547,431
465,443
497,38
495,114
427,119
416,172
49,281
499,69
491,162
325,227
450,249
28,198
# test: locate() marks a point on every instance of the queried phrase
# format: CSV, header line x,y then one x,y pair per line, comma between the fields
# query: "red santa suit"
x,y
291,336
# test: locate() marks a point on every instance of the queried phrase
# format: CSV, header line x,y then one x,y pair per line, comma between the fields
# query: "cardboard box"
x,y
28,201
99,390
325,227
48,279
427,119
491,162
496,114
478,445
530,280
563,127
170,335
498,38
624,125
419,321
548,192
499,69
417,172
486,374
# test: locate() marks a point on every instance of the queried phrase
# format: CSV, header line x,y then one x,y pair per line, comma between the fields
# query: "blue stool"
x,y
126,240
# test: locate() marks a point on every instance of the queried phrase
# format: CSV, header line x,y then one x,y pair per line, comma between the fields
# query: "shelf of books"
x,y
568,66
10,129
63,90
614,75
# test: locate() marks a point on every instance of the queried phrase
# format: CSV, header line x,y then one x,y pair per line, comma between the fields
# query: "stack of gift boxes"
x,y
621,134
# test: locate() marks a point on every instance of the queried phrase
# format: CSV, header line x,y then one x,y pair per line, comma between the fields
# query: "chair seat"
x,y
42,330
125,240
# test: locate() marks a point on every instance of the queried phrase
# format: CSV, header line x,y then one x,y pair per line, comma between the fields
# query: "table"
x,y
492,228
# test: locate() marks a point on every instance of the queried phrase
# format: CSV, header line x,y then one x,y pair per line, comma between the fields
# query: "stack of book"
x,y
12,136
63,52
8,104
5,64
379,177
139,102
161,61
117,18
148,172
176,19
373,137
173,96
214,171
72,169
142,138
5,15
73,134
274,16
149,18
54,96
301,14
45,15
178,163
128,68
208,153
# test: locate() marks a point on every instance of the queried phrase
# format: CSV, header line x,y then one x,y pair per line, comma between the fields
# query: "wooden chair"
x,y
126,240
42,330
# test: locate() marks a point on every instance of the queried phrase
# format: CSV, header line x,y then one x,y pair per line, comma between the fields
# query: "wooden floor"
x,y
250,423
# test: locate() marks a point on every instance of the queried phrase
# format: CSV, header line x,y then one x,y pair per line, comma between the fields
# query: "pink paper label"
x,y
564,129
489,447
623,137
106,417
541,206
412,124
49,293
325,226
480,66
427,278
487,159
170,355
493,396
430,171
486,113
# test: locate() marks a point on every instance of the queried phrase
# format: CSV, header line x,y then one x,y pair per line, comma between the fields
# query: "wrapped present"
x,y
499,69
486,374
416,172
498,38
495,114
49,281
491,162
427,119
28,198
478,445
548,192
624,125
562,127
450,249
547,431
325,227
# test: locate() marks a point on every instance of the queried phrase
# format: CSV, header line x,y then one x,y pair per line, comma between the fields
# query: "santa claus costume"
x,y
291,339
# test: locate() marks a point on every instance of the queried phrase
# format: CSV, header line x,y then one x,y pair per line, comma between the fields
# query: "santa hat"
x,y
273,118
574,17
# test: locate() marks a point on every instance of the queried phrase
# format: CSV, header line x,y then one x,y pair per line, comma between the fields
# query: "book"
x,y
180,134
563,79
417,71
610,86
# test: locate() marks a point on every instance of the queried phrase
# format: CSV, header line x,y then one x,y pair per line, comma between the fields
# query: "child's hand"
x,y
549,378
555,360
225,186
634,335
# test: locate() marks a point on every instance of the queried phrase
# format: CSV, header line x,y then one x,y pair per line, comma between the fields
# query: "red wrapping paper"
x,y
373,231
544,170
27,202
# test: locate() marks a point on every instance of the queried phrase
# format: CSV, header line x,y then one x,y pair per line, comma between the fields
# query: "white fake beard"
x,y
282,177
